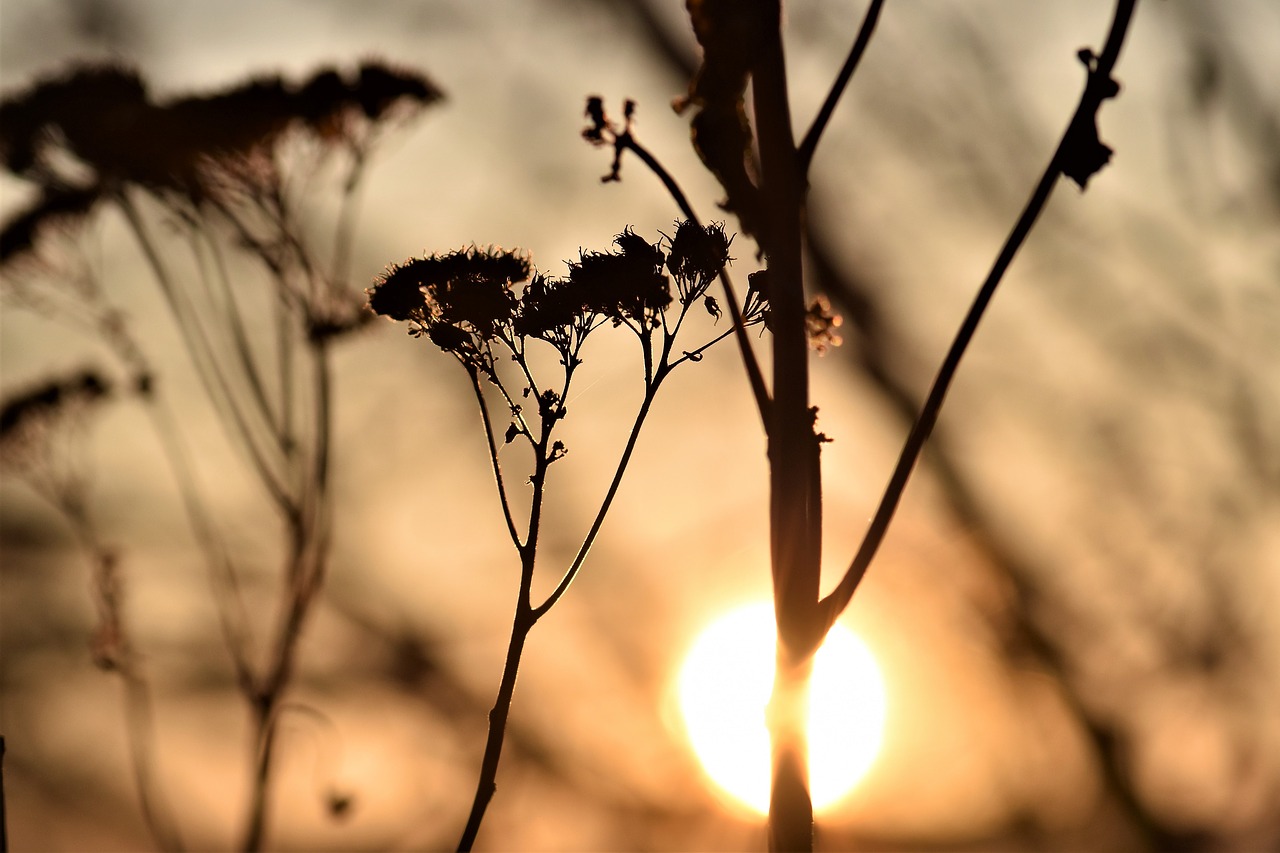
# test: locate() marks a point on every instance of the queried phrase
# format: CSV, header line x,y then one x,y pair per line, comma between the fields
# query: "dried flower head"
x,y
103,116
756,308
89,111
820,324
380,89
460,300
399,294
554,310
54,208
34,409
697,256
35,426
625,287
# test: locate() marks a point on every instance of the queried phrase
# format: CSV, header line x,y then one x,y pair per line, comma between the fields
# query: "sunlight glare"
x,y
723,689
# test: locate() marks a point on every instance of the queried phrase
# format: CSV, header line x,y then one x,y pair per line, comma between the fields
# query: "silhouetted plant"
x,y
489,308
223,183
230,175
764,173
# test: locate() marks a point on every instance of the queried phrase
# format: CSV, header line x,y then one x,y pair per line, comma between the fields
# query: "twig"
x,y
1098,87
493,457
589,539
806,149
625,141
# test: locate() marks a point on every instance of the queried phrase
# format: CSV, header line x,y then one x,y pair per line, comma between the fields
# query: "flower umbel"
x,y
461,300
627,287
697,256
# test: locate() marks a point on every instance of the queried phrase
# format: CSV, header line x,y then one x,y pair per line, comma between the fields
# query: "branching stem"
x,y
625,141
834,604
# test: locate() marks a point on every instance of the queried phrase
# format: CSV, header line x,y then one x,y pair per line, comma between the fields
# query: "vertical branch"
x,y
308,530
521,624
795,524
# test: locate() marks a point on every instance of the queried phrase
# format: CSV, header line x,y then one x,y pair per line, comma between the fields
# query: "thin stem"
x,y
834,604
755,376
234,321
140,719
304,576
598,522
694,354
805,152
318,484
493,457
4,822
344,230
214,382
118,655
264,738
488,785
521,624
222,574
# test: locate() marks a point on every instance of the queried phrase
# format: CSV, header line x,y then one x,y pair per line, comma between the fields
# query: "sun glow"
x,y
724,687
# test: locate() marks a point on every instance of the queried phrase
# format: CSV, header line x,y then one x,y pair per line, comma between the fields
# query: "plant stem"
x,y
491,441
4,822
487,785
618,473
834,604
837,89
749,361
521,624
308,529
264,736
790,807
794,516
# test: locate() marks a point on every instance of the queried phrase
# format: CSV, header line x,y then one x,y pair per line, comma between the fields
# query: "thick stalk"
x,y
790,807
795,525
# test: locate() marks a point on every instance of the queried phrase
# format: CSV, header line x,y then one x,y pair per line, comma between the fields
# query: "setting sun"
x,y
724,686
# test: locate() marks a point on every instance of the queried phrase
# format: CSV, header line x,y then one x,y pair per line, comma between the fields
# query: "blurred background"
x,y
1073,612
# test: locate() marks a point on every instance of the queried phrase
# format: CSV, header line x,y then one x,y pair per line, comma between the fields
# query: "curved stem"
x,y
805,152
222,574
754,375
589,540
199,348
493,458
834,604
